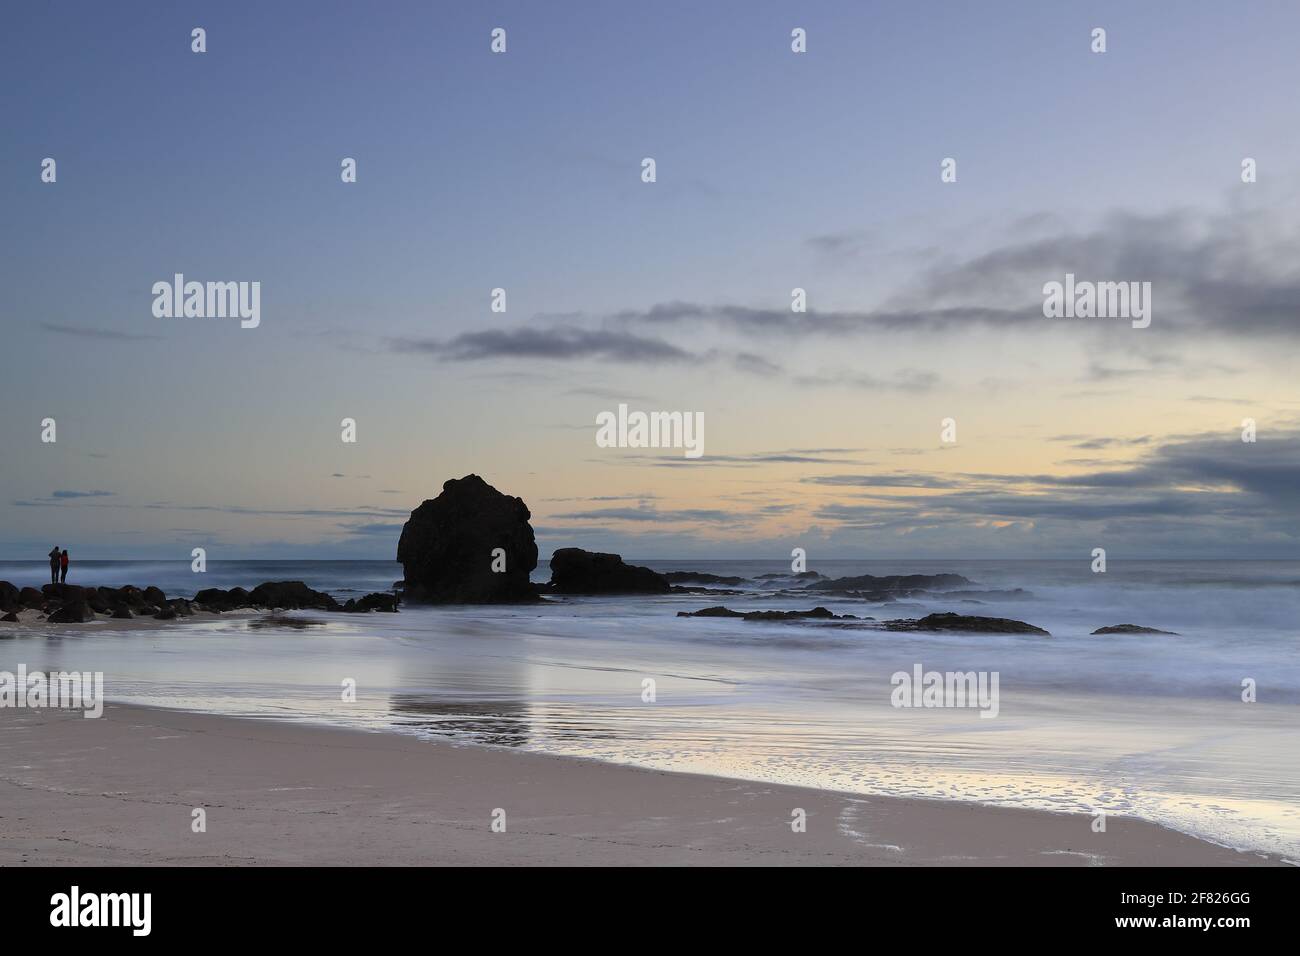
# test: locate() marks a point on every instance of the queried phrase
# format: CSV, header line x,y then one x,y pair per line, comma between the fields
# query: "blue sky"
x,y
521,171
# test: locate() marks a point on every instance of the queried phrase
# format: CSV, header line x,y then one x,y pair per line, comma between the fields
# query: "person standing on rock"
x,y
63,566
54,565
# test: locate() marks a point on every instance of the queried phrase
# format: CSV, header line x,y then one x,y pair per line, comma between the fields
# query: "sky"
x,y
775,170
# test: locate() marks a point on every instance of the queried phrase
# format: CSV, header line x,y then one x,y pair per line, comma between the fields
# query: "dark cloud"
x,y
750,320
705,515
904,380
1085,442
103,335
755,364
895,480
63,497
792,457
1229,273
1187,483
556,343
374,528
645,497
606,394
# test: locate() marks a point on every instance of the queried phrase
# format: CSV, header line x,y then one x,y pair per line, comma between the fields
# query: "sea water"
x,y
1148,725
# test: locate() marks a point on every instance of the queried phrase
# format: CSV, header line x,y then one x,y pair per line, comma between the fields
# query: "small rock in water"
x,y
377,601
817,613
948,621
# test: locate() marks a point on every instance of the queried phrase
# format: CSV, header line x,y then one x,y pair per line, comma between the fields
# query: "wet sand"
x,y
122,789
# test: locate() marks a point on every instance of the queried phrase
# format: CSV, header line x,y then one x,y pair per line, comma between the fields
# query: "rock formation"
x,y
890,583
816,614
470,545
575,571
949,621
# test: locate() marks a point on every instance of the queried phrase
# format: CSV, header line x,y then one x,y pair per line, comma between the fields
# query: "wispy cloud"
x,y
104,335
557,343
1195,482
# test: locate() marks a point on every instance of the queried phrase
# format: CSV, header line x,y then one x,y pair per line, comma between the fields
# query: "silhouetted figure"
x,y
54,565
63,566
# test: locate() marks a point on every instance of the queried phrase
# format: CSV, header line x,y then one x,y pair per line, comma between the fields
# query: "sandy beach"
x,y
121,790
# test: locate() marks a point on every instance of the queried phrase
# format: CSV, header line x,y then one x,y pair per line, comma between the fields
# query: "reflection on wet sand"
x,y
504,723
279,622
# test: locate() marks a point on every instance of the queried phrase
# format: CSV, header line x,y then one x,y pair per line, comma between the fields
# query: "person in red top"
x,y
63,566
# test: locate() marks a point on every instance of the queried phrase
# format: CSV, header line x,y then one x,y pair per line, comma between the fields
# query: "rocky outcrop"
x,y
62,592
280,595
700,577
1008,594
73,604
290,595
816,614
98,601
890,583
215,599
74,612
378,601
575,571
9,597
948,621
470,545
1132,629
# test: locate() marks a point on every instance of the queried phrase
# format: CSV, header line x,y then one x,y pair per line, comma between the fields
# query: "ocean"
x,y
1147,725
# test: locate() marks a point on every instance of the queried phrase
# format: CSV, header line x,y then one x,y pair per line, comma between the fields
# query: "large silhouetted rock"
x,y
8,596
575,571
448,547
